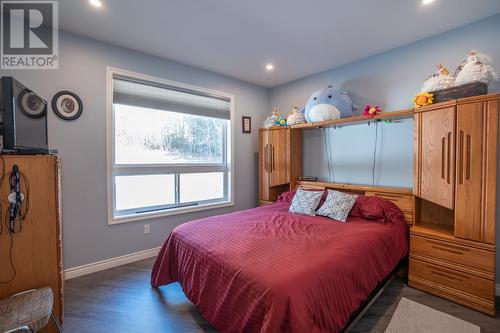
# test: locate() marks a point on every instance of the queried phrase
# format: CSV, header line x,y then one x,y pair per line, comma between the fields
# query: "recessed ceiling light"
x,y
269,67
426,2
96,3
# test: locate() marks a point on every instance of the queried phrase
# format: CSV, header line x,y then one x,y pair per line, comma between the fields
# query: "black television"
x,y
23,119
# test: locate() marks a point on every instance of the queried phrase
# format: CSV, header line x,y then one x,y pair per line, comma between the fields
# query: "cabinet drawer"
x,y
404,202
460,254
450,278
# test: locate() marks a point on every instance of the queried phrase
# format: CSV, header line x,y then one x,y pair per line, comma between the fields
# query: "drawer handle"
x,y
447,250
449,246
449,277
441,270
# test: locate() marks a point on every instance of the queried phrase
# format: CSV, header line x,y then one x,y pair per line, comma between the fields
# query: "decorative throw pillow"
x,y
337,205
288,196
369,207
305,202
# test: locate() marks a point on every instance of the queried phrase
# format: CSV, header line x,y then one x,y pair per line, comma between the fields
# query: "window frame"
x,y
227,165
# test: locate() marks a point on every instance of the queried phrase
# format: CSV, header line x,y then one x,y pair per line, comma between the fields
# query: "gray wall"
x,y
82,144
389,79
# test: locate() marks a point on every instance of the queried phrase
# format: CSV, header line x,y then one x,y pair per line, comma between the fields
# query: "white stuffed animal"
x,y
296,117
476,68
439,80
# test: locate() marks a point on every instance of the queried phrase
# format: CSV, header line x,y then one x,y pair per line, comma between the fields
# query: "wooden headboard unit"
x,y
402,197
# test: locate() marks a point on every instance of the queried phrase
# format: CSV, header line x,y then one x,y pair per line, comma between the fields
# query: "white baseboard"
x,y
109,263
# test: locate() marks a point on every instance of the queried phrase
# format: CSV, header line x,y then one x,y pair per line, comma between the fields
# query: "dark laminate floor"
x,y
121,300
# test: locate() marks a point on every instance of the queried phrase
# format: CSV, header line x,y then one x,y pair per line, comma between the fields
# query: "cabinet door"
x,y
436,167
469,170
279,157
264,169
477,126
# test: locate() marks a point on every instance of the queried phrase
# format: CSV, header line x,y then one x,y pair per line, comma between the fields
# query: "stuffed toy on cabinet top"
x,y
439,80
329,103
296,116
476,68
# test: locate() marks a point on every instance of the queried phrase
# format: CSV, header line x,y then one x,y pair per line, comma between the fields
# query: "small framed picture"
x,y
246,124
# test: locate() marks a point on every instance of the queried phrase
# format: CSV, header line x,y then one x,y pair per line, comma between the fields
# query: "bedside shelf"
x,y
433,229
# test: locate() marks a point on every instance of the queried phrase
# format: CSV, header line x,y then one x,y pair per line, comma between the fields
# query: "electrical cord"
x,y
329,153
20,213
374,153
11,246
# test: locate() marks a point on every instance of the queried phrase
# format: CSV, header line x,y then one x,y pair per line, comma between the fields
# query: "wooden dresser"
x,y
452,242
37,248
280,161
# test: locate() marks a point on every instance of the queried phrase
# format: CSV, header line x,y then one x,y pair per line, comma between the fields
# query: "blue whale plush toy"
x,y
329,103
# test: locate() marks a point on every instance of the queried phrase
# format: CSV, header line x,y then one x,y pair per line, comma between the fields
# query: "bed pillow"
x,y
370,207
305,202
286,196
337,205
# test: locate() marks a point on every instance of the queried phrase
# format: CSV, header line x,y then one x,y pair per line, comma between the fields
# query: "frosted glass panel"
x,y
201,186
144,191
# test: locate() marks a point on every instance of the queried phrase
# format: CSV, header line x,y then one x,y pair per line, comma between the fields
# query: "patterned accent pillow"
x,y
305,202
337,205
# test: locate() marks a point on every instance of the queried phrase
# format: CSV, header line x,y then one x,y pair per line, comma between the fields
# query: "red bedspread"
x,y
267,270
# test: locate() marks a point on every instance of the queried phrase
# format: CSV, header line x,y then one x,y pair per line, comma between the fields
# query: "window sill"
x,y
170,212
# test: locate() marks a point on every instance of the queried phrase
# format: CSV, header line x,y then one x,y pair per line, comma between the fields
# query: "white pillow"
x,y
305,202
337,205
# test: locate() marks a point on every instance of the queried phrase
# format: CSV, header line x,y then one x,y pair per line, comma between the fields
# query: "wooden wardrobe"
x,y
452,242
280,161
37,248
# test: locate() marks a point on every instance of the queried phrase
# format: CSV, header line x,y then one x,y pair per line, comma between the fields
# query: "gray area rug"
x,y
412,317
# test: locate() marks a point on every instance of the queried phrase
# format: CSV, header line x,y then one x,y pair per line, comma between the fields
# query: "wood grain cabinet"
x,y
452,244
280,161
37,248
477,126
436,147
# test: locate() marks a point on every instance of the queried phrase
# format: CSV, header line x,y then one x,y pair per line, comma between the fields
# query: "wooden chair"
x,y
27,311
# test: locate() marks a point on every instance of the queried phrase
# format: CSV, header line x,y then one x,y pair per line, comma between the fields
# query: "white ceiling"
x,y
238,37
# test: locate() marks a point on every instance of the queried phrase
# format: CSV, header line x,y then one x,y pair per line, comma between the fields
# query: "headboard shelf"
x,y
400,196
354,187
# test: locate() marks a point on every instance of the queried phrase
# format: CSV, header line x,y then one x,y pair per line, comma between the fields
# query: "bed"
x,y
267,270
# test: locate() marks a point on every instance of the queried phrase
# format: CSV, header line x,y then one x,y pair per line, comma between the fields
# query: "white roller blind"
x,y
152,95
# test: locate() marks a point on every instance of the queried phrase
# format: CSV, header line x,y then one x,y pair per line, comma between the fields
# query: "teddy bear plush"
x,y
329,103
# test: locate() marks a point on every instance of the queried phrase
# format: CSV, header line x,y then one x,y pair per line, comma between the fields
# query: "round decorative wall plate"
x,y
67,105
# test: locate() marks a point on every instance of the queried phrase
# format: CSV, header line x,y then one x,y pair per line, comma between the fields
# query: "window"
x,y
169,147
